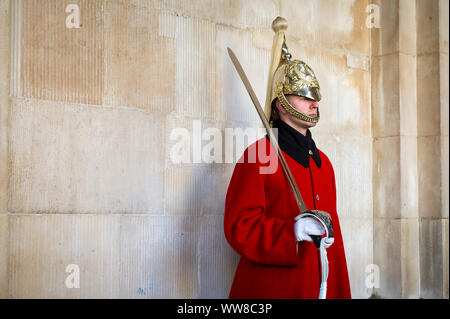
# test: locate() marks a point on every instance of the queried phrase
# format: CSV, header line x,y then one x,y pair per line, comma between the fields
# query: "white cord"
x,y
324,244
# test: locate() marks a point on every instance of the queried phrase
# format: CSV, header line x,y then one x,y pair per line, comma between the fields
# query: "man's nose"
x,y
314,105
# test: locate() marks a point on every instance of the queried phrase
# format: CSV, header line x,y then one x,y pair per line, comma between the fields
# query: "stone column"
x,y
386,150
429,148
409,187
4,101
409,121
444,81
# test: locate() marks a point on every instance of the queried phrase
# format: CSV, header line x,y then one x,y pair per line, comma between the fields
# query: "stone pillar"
x,y
410,225
386,150
4,101
444,108
429,148
409,188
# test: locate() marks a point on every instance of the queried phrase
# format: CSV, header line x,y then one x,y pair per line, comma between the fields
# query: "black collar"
x,y
297,145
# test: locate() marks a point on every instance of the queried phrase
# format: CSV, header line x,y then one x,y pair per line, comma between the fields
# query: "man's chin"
x,y
304,124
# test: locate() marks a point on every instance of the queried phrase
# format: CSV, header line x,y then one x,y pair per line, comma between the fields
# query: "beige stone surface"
x,y
444,176
407,27
443,91
444,127
354,177
216,259
4,93
74,158
4,101
443,26
262,38
428,97
42,246
328,144
195,190
237,13
202,141
386,177
409,174
353,114
158,257
385,39
193,140
232,100
429,177
408,95
410,258
358,238
60,63
387,256
110,60
4,256
445,258
140,64
228,172
195,68
345,30
385,96
431,258
427,26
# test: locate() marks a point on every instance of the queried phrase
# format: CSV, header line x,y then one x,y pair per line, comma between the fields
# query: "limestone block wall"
x,y
87,117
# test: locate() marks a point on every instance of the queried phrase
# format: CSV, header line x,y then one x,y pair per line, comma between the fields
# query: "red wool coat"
x,y
259,225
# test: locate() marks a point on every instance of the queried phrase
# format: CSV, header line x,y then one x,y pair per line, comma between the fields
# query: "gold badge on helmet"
x,y
288,76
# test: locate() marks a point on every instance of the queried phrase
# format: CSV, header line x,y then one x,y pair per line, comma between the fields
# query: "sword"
x,y
323,217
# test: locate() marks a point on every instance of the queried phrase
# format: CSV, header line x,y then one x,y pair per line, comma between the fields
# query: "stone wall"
x,y
87,115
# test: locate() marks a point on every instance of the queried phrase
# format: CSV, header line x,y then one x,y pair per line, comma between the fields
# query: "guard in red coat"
x,y
278,257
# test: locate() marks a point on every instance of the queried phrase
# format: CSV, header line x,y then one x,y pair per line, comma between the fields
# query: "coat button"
x,y
317,197
310,152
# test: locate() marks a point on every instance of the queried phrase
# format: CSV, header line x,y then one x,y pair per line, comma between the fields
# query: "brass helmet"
x,y
288,76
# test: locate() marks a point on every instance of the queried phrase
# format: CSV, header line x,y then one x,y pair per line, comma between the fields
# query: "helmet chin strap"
x,y
294,112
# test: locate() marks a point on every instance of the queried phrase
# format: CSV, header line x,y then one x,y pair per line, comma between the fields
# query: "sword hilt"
x,y
316,240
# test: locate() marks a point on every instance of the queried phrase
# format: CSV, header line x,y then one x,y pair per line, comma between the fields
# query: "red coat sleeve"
x,y
249,231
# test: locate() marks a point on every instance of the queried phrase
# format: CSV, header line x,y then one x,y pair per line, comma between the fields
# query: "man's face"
x,y
302,104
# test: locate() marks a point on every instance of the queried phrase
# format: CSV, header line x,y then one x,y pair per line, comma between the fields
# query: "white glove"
x,y
307,226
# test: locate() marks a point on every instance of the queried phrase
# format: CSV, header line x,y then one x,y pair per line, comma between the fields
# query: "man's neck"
x,y
298,128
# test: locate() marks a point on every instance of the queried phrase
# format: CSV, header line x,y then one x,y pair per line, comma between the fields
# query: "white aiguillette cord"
x,y
325,242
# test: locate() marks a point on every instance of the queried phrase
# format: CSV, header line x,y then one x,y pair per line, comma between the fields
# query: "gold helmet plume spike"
x,y
279,26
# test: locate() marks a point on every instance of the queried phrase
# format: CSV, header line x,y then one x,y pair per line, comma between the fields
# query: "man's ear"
x,y
280,108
